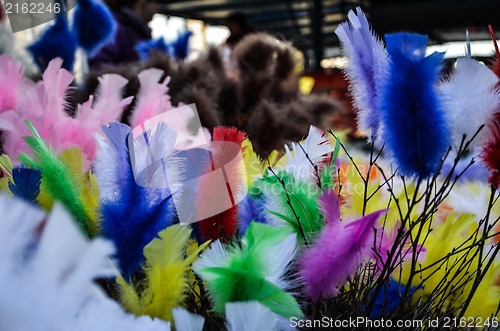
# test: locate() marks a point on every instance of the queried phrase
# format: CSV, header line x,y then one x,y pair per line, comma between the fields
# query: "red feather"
x,y
224,225
495,66
490,154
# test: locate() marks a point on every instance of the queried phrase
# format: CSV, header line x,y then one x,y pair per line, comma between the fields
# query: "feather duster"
x,y
250,316
368,63
166,284
10,81
57,179
93,25
53,271
25,183
56,42
146,47
152,99
413,116
471,88
226,152
133,211
338,251
250,272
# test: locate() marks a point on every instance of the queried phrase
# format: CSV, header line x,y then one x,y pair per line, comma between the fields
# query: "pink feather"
x,y
12,76
44,105
339,250
109,98
152,99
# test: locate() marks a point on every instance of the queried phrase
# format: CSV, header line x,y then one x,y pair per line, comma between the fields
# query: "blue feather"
x,y
94,25
180,47
57,41
389,300
146,47
251,208
26,183
416,131
135,216
368,61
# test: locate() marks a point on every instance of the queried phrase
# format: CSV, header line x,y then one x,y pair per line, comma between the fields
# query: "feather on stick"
x,y
413,116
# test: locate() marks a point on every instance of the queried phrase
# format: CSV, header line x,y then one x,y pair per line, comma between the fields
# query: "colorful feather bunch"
x,y
249,272
133,214
336,233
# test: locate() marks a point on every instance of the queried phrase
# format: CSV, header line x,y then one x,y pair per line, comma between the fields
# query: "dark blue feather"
x,y
25,183
146,47
94,25
180,47
416,131
388,300
137,214
57,41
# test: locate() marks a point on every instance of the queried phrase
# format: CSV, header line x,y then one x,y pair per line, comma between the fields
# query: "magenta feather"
x,y
338,251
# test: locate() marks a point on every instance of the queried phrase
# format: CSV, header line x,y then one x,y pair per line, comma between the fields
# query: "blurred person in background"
x,y
132,17
238,27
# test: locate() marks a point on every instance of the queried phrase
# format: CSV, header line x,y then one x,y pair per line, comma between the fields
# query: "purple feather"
x,y
368,61
338,251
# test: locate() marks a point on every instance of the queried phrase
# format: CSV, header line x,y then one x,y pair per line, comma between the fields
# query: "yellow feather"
x,y
167,270
89,188
6,167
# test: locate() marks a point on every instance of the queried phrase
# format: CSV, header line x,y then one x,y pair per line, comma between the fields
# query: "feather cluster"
x,y
166,268
338,252
249,272
136,203
43,104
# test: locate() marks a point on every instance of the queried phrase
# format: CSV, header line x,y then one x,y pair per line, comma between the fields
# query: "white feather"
x,y
213,257
279,259
104,314
51,283
186,321
295,160
250,316
471,99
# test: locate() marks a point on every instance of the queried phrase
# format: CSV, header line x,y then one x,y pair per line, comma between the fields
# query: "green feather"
x,y
57,180
243,276
303,199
